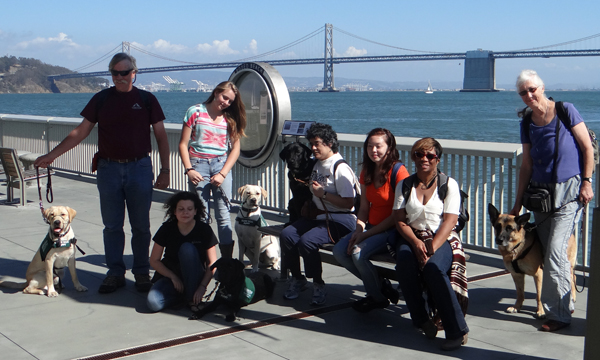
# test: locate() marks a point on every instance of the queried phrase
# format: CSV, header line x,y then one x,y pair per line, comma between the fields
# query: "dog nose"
x,y
56,222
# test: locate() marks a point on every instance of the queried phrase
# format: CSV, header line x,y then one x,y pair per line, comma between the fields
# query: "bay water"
x,y
444,114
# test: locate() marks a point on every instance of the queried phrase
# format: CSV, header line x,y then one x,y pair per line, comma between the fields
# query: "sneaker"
x,y
111,284
389,292
142,282
368,303
294,288
429,329
319,294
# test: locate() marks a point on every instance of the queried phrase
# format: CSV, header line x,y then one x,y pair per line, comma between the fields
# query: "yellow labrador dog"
x,y
56,251
259,248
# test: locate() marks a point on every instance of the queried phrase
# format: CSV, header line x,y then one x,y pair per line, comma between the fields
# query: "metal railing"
x,y
487,172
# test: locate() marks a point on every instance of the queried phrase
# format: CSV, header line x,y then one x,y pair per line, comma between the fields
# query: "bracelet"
x,y
220,173
188,170
165,171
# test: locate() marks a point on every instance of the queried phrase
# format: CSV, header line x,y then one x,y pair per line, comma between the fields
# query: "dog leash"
x,y
225,200
49,193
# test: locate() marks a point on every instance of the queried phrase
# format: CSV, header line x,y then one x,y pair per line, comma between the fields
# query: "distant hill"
x,y
25,75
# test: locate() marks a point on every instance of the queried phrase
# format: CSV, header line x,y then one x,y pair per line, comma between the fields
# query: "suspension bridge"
x,y
479,69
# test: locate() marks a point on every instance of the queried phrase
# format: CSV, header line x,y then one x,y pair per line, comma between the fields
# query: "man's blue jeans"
x,y
163,293
208,168
121,185
435,276
359,264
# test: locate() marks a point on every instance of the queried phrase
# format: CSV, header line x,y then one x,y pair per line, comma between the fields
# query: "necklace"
x,y
428,186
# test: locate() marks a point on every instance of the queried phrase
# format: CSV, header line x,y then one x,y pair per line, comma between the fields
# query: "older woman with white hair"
x,y
557,156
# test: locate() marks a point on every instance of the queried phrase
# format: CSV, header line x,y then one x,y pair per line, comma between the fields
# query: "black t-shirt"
x,y
169,237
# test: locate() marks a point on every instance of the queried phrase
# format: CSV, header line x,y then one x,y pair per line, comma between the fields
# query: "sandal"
x,y
553,325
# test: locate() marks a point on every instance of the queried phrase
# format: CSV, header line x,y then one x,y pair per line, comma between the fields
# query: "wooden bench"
x,y
384,263
16,176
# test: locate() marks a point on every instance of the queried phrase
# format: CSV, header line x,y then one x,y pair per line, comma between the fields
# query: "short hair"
x,y
527,75
235,113
425,144
120,57
171,205
368,166
324,132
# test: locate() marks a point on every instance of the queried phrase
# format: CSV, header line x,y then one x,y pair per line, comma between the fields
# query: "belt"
x,y
124,161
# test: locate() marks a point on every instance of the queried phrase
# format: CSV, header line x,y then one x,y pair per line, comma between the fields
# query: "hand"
x,y
199,294
515,210
195,177
177,284
162,181
355,239
217,179
317,189
586,194
43,161
420,251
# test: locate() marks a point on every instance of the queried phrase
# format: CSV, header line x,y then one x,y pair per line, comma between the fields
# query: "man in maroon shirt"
x,y
124,115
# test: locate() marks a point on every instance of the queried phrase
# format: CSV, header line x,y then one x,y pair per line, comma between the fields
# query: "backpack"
x,y
442,187
356,187
563,115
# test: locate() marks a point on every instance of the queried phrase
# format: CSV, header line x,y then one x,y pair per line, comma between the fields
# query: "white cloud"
x,y
216,48
253,46
164,46
61,40
352,51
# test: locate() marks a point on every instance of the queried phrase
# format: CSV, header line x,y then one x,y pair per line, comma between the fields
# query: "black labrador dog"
x,y
236,290
298,158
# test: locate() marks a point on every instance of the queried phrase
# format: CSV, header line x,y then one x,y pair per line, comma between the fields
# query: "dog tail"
x,y
269,285
13,285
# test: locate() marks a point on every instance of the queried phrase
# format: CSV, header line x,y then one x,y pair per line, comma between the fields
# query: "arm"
x,y
184,141
155,256
211,257
407,233
234,154
164,178
524,177
75,137
334,199
586,193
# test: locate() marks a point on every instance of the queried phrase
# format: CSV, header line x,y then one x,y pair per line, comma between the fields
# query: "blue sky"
x,y
75,33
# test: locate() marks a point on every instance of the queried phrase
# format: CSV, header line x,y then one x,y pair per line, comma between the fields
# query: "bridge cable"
x,y
285,47
97,61
561,44
390,46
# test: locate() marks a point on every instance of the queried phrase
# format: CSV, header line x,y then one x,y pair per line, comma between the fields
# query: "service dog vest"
x,y
47,245
248,291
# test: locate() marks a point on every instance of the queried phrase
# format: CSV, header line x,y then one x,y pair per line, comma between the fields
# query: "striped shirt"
x,y
208,140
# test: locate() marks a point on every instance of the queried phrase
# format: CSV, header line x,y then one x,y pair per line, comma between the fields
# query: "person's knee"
x,y
155,301
187,252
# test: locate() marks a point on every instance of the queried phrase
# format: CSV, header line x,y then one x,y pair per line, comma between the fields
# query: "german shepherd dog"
x,y
235,289
522,254
298,158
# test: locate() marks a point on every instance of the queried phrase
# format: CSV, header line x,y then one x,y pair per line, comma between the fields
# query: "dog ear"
x,y
264,193
241,190
522,219
215,264
47,213
493,213
283,154
71,212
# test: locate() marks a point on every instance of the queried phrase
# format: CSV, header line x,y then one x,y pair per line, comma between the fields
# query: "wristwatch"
x,y
324,197
588,179
187,170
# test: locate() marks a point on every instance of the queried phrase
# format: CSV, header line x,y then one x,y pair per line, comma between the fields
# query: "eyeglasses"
x,y
122,73
429,156
529,90
317,144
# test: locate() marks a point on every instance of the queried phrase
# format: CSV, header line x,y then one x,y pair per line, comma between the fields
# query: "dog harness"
x,y
47,245
248,291
260,222
523,254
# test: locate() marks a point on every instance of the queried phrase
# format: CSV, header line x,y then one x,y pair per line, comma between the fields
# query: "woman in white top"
x,y
422,217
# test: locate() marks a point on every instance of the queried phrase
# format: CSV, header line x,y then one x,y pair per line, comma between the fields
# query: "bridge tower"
x,y
328,85
125,47
480,71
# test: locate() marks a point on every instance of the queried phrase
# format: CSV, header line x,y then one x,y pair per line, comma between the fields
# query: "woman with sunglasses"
x,y
375,222
211,130
427,246
568,177
333,196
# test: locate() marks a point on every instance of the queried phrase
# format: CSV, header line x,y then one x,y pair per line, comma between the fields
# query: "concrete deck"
x,y
96,326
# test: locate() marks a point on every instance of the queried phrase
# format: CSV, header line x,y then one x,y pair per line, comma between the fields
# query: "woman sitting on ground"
x,y
375,225
188,244
422,217
333,198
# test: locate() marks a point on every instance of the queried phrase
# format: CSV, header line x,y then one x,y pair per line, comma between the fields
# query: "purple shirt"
x,y
542,140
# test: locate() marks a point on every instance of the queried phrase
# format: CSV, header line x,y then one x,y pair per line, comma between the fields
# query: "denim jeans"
x,y
208,168
358,263
125,185
163,293
304,238
435,277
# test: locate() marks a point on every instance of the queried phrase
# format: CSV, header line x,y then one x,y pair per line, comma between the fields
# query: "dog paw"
x,y
540,315
80,288
230,317
512,310
52,294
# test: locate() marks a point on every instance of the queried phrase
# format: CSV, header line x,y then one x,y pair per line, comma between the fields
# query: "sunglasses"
x,y
419,155
122,73
529,90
